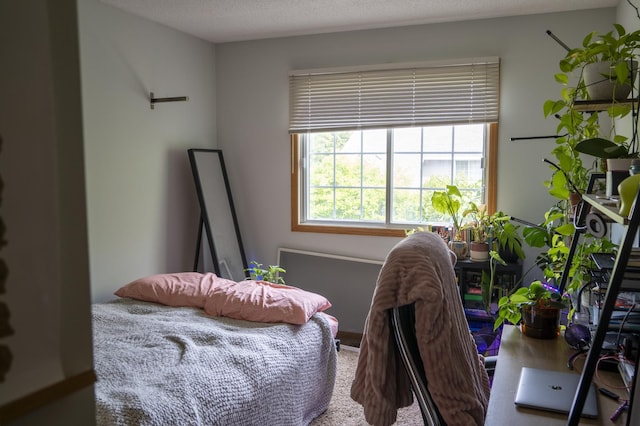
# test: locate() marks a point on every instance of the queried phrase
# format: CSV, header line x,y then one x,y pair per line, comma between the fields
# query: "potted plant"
x,y
271,274
480,226
613,56
537,306
449,203
507,236
554,236
606,62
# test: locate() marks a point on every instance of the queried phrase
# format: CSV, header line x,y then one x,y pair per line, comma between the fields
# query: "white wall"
x,y
627,16
252,106
142,209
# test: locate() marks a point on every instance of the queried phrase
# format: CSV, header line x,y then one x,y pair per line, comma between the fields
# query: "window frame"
x,y
384,230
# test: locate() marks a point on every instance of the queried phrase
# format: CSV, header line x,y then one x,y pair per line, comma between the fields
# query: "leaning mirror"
x,y
217,216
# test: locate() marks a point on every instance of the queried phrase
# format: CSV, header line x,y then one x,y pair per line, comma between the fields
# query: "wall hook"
x,y
153,100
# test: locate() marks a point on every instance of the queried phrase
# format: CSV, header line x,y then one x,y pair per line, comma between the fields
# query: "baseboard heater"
x,y
348,282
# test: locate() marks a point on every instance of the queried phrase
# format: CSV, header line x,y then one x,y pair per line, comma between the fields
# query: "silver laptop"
x,y
552,391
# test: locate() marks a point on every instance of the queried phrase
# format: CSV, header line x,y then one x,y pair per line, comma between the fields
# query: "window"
x,y
371,146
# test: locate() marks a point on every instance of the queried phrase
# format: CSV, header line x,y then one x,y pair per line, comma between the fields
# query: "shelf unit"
x,y
469,275
631,223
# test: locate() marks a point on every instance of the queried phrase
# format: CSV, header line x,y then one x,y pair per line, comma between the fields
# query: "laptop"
x,y
552,391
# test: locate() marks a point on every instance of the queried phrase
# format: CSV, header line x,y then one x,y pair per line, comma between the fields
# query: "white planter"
x,y
617,171
618,164
599,78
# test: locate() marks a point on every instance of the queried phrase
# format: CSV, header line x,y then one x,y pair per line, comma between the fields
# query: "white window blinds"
x,y
460,92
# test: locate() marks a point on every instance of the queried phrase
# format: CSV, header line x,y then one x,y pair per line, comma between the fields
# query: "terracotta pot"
x,y
540,322
479,251
574,200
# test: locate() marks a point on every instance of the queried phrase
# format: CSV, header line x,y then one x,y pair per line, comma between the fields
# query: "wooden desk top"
x,y
517,351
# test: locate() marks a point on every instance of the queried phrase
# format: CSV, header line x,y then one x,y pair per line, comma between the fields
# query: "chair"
x,y
403,326
418,272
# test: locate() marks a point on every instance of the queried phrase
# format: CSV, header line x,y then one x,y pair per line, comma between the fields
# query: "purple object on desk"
x,y
577,336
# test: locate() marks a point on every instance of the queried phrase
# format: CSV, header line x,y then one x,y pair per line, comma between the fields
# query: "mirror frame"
x,y
217,215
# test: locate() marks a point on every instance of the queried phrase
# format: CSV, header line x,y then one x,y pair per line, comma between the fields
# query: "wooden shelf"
x,y
603,206
592,106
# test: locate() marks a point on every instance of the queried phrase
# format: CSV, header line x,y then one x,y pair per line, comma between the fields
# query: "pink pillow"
x,y
261,301
178,289
333,323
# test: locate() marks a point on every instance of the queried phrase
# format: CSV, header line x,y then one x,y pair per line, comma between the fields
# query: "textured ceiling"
x,y
221,21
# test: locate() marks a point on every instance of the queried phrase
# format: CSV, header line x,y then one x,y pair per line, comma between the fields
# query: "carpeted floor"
x,y
343,411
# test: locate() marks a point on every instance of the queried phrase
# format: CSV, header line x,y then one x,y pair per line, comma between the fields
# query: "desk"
x,y
517,351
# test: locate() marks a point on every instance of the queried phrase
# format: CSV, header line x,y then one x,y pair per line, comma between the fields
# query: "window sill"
x,y
350,230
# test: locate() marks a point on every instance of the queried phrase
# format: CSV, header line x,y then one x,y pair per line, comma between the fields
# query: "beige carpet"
x,y
343,411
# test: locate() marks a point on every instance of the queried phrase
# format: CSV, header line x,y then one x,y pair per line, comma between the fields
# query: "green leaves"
x,y
558,186
617,110
507,312
562,78
601,148
271,274
509,307
581,129
552,107
448,202
622,72
508,236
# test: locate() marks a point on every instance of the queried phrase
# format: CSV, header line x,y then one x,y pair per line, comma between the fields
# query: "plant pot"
x,y
619,164
460,248
617,171
479,251
600,81
540,322
508,255
574,200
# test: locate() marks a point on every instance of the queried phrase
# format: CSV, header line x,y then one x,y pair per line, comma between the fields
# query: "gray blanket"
x,y
158,365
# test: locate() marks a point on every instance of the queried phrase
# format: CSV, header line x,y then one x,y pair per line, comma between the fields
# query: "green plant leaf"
x,y
622,72
618,110
535,237
562,78
551,107
566,229
558,187
601,148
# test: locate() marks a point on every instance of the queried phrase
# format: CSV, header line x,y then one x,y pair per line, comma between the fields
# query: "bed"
x,y
179,365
